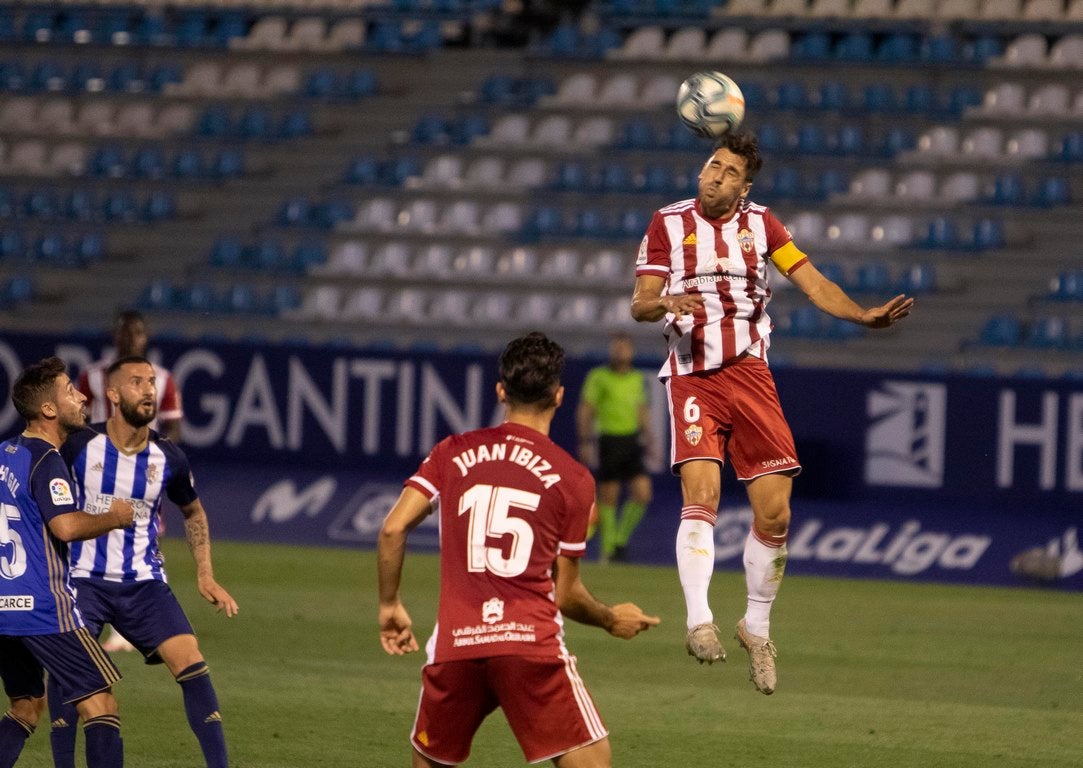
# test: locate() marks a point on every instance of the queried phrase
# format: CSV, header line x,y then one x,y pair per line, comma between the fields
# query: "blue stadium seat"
x,y
563,43
898,48
963,96
17,290
851,140
873,277
242,298
39,26
811,46
148,163
834,272
215,121
48,76
227,253
41,204
12,244
1048,332
467,128
89,248
657,179
791,94
593,223
359,84
899,138
632,223
833,95
815,139
266,254
830,181
187,164
498,89
321,83
307,254
431,129
284,298
396,172
983,48
785,182
1071,147
1067,286
330,213
362,170
227,163
614,177
81,205
918,279
921,99
772,138
108,161
191,29
1001,331
856,47
385,37
12,76
86,77
114,28
295,124
572,175
163,75
120,206
160,205
50,248
940,48
1008,189
880,98
7,203
941,232
988,233
255,123
198,297
1053,191
637,133
542,222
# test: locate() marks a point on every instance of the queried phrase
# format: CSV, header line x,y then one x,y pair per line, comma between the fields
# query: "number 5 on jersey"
x,y
488,507
12,554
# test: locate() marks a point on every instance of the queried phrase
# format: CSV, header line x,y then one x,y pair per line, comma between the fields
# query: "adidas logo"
x,y
690,240
214,717
97,467
59,723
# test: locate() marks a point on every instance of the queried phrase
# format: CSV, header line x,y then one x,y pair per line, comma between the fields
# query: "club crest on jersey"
x,y
492,610
693,434
746,240
60,491
153,473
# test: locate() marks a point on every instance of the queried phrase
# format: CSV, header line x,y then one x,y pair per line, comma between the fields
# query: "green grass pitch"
x,y
881,674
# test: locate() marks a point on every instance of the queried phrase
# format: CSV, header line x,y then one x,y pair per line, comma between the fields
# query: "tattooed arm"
x,y
198,535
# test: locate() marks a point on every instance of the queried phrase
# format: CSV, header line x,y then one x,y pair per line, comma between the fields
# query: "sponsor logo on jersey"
x,y
904,444
693,434
16,603
746,240
492,610
690,239
60,491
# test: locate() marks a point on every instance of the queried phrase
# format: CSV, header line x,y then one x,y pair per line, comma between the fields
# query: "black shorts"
x,y
620,457
145,612
74,659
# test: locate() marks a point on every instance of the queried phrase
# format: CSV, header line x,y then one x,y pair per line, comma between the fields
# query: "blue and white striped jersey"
x,y
103,473
36,597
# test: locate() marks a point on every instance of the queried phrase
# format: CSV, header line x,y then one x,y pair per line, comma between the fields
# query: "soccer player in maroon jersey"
x,y
702,266
513,512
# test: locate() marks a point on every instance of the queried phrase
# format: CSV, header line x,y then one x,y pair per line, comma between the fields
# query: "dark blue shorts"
x,y
145,612
74,659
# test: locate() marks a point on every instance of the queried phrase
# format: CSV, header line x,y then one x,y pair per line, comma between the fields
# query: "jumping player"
x,y
703,267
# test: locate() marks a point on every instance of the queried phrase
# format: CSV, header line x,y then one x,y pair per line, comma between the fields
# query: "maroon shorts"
x,y
544,700
734,411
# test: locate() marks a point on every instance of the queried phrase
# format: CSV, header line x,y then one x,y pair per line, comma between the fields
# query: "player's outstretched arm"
x,y
197,532
575,601
828,297
649,305
80,525
396,632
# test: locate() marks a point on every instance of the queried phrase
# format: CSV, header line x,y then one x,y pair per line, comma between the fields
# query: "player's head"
x,y
621,350
132,390
727,175
530,370
130,333
44,392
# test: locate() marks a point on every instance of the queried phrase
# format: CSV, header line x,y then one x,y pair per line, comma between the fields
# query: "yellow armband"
x,y
788,258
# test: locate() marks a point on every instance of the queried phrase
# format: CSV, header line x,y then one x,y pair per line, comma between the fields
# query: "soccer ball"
x,y
710,104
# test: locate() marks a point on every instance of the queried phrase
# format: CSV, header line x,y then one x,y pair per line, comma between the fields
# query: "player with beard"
x,y
119,578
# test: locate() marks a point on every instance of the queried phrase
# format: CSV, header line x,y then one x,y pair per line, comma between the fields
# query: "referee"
x,y
614,432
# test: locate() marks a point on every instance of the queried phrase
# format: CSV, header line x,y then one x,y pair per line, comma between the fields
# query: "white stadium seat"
x,y
1043,10
1000,10
914,9
659,90
960,187
645,43
578,90
621,90
347,259
1066,53
986,142
562,265
517,264
364,303
1026,50
486,173
727,44
871,184
769,45
1052,99
940,141
873,9
1027,144
686,44
56,116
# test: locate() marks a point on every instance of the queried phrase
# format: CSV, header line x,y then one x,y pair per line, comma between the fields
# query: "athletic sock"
x,y
630,515
607,530
64,719
765,562
104,748
13,735
201,706
695,561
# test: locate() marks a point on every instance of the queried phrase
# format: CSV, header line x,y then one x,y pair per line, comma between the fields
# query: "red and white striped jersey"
x,y
725,261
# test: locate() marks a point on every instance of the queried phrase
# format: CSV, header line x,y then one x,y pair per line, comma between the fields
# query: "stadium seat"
x,y
1048,332
1027,144
1051,99
1001,330
517,264
1053,191
960,187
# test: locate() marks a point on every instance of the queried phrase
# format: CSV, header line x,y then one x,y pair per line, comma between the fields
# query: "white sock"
x,y
695,564
764,566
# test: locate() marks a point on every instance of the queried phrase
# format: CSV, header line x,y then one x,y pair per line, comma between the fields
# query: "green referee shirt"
x,y
616,399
